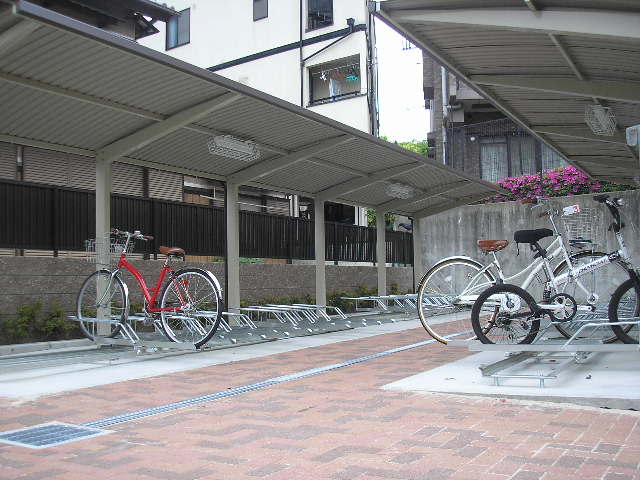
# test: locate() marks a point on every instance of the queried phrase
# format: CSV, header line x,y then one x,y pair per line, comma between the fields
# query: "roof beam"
x,y
607,89
15,34
358,183
271,165
401,203
581,133
150,134
139,112
622,162
562,21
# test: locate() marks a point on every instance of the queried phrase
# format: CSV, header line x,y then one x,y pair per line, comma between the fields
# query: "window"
x,y
493,159
319,14
178,30
550,159
260,9
334,80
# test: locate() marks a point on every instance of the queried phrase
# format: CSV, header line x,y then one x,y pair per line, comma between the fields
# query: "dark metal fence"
x,y
44,217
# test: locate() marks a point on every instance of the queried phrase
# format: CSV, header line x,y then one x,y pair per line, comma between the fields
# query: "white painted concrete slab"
x,y
29,384
612,376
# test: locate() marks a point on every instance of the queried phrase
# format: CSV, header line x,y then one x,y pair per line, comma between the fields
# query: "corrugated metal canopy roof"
x,y
71,87
541,62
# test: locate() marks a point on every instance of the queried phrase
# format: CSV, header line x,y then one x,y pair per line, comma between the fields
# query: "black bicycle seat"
x,y
531,236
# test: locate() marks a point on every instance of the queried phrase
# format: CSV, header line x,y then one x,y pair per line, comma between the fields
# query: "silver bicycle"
x,y
562,275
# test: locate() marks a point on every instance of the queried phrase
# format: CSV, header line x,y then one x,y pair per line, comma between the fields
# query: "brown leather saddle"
x,y
492,245
172,251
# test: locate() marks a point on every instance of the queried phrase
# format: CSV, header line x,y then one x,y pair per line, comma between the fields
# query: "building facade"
x,y
318,54
469,133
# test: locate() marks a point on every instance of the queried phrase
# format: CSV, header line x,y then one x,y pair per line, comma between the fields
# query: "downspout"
x,y
445,111
301,58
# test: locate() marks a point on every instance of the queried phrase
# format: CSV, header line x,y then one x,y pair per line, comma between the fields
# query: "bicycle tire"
x,y
89,328
428,286
632,309
196,325
565,329
507,289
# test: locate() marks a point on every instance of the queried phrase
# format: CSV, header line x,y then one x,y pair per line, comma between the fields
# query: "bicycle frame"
x,y
150,299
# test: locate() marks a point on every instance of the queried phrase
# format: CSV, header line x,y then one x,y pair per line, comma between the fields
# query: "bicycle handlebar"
x,y
137,235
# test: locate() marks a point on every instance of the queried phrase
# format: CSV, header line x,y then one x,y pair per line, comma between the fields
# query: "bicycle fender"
x,y
458,257
209,274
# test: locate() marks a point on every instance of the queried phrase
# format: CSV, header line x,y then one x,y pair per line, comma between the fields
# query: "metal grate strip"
x,y
126,417
49,434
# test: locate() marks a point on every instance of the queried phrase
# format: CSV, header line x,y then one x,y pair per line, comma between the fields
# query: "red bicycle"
x,y
187,308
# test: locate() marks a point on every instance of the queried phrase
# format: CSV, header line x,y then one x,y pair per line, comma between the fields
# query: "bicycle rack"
x,y
559,355
129,337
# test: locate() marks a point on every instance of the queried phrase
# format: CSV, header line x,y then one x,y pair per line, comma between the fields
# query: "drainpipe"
x,y
301,58
445,111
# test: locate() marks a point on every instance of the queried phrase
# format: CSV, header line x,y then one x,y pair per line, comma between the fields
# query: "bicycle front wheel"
x,y
440,309
505,314
194,307
625,305
102,305
600,285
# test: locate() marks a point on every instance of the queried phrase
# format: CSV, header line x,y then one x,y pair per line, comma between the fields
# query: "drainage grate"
x,y
49,434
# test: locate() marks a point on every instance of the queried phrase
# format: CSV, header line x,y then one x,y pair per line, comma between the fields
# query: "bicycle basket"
x,y
115,247
583,227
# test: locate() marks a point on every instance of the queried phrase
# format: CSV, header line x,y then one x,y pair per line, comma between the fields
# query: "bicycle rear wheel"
x,y
102,305
196,307
600,282
439,308
505,314
625,305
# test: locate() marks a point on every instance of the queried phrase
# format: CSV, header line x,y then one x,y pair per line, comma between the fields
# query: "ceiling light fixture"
x,y
601,120
399,190
232,147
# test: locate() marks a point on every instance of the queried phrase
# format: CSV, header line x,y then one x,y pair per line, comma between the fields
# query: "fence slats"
x,y
46,217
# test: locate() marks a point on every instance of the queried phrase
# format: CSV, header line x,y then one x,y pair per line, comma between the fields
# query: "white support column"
x,y
381,252
417,252
103,228
321,278
103,208
232,265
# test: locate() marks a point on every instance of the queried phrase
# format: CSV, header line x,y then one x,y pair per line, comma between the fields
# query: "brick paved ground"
x,y
337,425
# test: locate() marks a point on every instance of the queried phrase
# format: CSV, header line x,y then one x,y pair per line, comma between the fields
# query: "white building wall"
x,y
222,31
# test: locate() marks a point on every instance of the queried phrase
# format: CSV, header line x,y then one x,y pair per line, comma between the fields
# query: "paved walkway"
x,y
335,425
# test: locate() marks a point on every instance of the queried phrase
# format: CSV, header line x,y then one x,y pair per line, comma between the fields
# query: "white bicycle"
x,y
565,281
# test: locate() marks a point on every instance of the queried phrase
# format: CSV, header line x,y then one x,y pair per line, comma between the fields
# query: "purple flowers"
x,y
552,183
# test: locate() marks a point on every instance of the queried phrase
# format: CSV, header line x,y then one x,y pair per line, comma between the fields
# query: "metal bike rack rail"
x,y
559,355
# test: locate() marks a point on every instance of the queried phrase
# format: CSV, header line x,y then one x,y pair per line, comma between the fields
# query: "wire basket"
x,y
583,227
115,246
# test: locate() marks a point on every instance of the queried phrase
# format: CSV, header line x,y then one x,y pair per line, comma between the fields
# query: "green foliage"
x,y
389,218
32,324
15,330
418,146
54,325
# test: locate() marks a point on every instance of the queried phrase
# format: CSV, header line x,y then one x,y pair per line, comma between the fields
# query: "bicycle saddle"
x,y
531,236
492,245
171,251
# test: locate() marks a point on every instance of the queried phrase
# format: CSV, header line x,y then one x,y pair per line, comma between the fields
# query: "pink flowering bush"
x,y
553,183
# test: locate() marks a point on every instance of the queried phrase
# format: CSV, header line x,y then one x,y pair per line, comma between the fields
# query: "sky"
x,y
402,113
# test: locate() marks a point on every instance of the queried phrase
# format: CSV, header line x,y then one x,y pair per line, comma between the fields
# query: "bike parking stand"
x,y
558,356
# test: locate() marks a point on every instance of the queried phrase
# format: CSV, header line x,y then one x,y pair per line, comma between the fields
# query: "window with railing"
x,y
497,149
334,80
